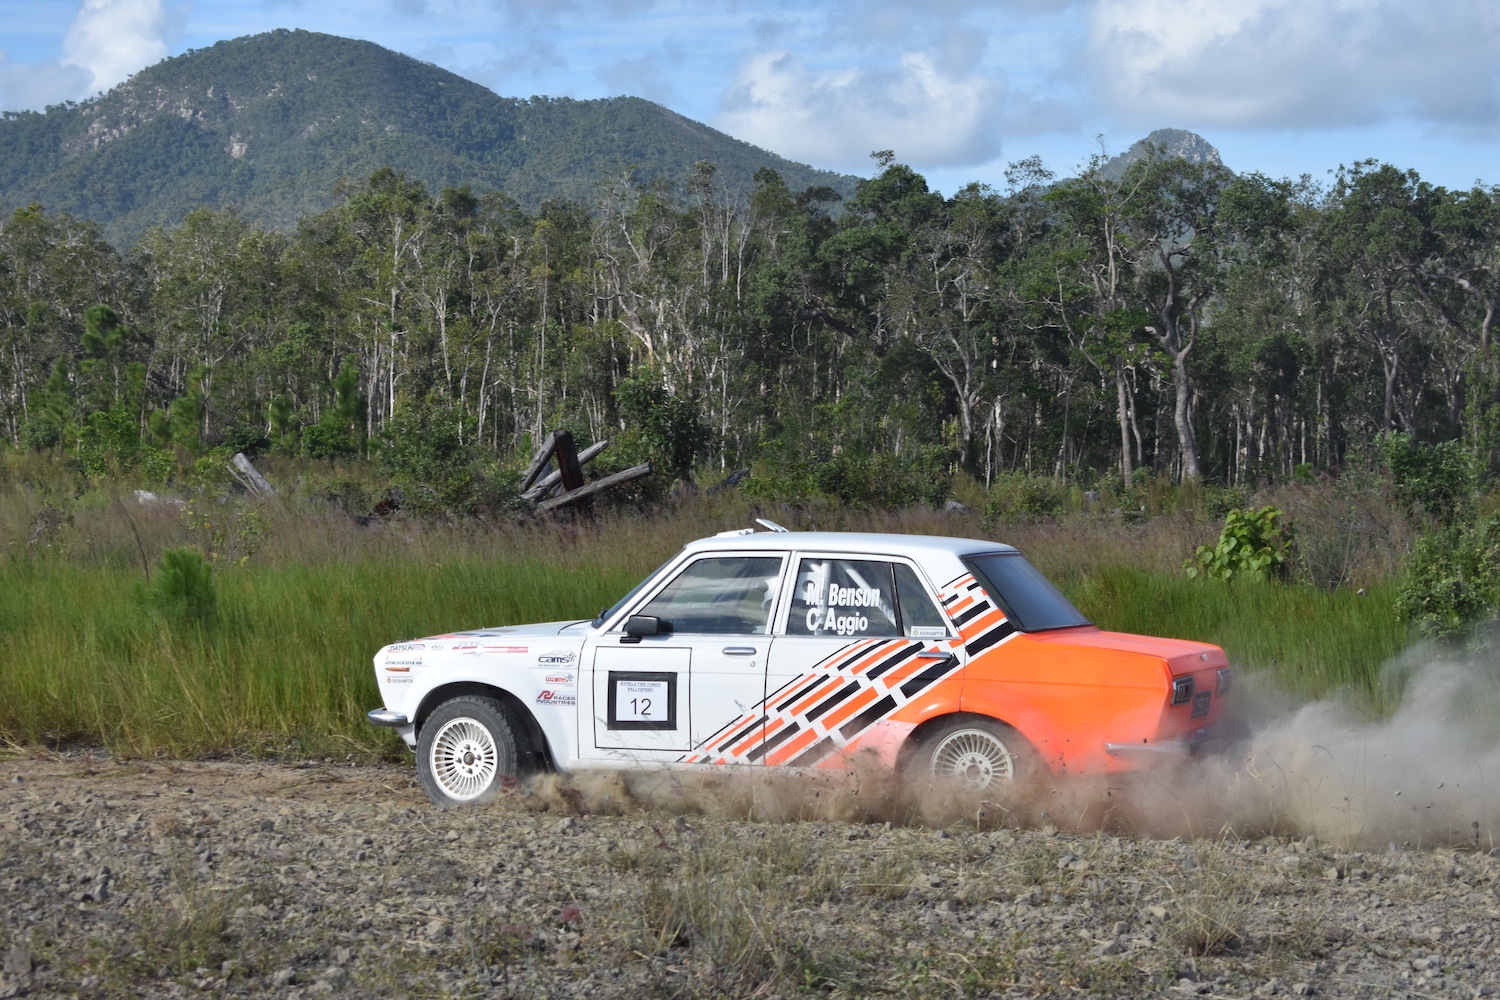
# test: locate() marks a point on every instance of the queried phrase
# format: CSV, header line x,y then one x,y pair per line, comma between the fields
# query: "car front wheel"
x,y
469,749
974,754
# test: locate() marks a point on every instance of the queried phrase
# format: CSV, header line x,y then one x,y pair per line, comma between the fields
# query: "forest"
x,y
1176,320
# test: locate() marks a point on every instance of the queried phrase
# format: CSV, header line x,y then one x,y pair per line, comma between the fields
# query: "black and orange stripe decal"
x,y
980,622
835,703
826,708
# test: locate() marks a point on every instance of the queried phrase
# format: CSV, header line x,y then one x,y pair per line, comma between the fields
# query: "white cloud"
x,y
113,39
834,118
1297,63
648,76
32,86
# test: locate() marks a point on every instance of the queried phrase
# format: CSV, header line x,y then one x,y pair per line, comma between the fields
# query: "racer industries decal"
x,y
549,696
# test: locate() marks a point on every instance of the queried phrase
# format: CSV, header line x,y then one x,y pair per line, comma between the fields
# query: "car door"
x,y
860,637
660,696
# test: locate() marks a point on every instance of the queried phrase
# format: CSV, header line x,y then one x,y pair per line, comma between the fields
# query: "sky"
x,y
958,89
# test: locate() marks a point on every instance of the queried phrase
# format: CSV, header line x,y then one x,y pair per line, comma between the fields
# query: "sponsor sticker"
x,y
550,697
564,680
398,680
505,649
404,663
557,656
927,632
407,647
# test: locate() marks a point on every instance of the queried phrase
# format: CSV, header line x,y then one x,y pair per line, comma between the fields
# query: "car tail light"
x,y
1182,690
1224,683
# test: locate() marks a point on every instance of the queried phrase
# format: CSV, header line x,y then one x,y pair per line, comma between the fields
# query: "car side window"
x,y
726,595
834,597
920,617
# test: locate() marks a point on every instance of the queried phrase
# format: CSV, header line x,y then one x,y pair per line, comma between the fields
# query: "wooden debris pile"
x,y
564,485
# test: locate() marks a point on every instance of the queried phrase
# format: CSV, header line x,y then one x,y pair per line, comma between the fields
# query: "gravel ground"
x,y
255,879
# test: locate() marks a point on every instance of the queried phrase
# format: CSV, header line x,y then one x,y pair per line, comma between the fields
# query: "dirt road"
x,y
255,879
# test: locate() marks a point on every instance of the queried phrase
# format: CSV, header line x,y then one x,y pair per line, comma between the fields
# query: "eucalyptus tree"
x,y
1079,280
1377,235
1179,245
53,268
215,299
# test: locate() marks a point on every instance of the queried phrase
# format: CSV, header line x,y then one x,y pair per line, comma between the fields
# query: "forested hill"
x,y
271,123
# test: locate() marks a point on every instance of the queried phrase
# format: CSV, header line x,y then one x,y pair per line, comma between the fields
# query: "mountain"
x,y
1172,142
272,123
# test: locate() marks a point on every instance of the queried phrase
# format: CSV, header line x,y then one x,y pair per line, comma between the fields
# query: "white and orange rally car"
x,y
953,658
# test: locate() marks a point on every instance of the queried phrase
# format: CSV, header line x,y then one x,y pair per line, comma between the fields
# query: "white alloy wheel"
x,y
463,759
974,755
468,749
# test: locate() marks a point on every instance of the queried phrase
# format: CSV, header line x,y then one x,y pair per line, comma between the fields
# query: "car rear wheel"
x,y
469,748
974,754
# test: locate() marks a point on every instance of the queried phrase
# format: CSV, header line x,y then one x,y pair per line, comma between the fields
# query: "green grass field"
x,y
96,655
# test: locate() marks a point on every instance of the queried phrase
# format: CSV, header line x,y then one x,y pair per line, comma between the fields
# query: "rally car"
x,y
951,658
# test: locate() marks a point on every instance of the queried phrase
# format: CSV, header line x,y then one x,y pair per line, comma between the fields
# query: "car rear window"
x,y
1026,596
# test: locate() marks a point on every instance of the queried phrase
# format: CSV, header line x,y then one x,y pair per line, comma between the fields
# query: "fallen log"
x,y
551,479
249,477
588,490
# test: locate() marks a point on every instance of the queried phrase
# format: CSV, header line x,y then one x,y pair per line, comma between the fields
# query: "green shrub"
x,y
184,585
242,438
861,482
1254,543
1017,498
1437,481
1452,582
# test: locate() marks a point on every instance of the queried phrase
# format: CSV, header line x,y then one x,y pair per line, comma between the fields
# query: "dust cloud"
x,y
1426,775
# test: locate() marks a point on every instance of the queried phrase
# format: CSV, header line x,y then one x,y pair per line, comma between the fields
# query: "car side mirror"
x,y
639,625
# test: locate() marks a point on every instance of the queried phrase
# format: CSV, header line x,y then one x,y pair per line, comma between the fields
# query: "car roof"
x,y
854,542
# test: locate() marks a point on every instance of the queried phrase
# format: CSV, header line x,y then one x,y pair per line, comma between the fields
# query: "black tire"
x,y
469,748
974,754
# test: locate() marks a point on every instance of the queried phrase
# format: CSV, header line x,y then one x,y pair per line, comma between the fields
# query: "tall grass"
x,y
282,664
304,595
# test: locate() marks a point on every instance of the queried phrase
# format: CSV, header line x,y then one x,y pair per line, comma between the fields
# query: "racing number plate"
x,y
1200,704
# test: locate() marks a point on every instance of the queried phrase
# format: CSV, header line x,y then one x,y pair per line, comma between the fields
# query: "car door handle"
x,y
739,650
937,656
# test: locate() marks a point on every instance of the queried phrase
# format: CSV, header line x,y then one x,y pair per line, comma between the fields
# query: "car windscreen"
x,y
606,613
1026,596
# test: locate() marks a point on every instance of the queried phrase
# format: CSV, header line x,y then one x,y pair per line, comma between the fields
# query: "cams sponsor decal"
x,y
561,680
557,657
549,697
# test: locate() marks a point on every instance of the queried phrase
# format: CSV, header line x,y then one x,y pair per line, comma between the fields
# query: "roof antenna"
x,y
770,525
